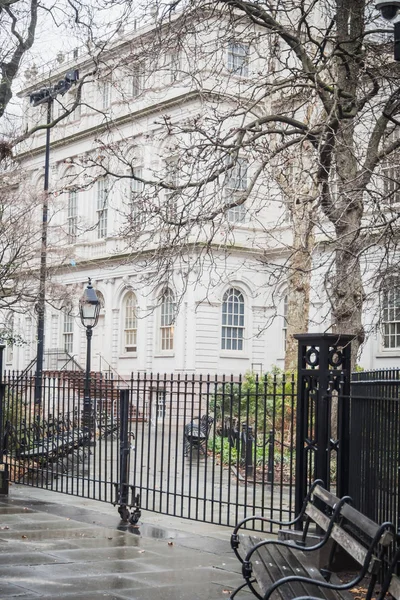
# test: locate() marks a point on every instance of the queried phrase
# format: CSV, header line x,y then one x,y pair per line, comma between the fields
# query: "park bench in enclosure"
x,y
290,568
196,434
52,444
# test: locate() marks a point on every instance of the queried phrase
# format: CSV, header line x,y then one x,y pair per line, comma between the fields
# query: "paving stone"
x,y
51,555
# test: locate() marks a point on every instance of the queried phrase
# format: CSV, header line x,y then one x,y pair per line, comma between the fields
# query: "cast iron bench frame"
x,y
288,568
196,434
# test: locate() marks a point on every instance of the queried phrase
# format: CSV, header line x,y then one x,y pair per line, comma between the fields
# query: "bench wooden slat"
x,y
349,512
273,562
269,566
344,539
323,494
361,521
301,563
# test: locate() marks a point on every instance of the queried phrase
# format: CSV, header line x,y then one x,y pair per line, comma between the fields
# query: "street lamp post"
x,y
46,96
89,309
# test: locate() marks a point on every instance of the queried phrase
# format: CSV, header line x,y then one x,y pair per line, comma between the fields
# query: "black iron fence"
x,y
214,449
374,457
384,383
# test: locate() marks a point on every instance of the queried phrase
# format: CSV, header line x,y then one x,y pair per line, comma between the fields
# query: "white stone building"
x,y
219,312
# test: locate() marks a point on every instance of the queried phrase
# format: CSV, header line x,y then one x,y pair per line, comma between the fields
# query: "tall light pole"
x,y
89,309
46,96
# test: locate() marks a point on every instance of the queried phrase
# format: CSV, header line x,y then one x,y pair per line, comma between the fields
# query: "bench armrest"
x,y
235,534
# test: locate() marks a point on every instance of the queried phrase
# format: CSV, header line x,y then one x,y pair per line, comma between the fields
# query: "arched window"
x,y
232,320
130,323
167,319
391,317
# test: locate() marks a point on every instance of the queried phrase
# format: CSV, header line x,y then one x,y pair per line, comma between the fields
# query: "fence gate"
x,y
209,449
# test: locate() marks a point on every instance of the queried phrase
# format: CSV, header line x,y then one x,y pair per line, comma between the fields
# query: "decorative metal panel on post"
x,y
324,367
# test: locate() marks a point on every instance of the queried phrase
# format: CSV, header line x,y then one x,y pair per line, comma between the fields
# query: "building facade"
x,y
178,294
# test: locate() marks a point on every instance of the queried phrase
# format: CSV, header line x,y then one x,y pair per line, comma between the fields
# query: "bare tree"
x,y
26,27
303,113
331,86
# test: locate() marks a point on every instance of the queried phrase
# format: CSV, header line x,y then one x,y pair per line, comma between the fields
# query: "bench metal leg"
x,y
240,588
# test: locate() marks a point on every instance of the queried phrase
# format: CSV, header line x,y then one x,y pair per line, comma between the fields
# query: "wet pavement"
x,y
56,546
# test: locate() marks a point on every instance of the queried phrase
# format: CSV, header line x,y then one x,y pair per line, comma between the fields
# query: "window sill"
x,y
165,354
383,353
128,355
234,354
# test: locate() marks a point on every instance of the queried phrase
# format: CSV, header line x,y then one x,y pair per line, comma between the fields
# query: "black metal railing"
x,y
374,457
214,449
376,383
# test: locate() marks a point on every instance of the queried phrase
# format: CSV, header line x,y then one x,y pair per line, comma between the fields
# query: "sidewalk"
x,y
58,546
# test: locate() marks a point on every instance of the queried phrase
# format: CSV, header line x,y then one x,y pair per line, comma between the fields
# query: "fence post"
x,y
247,448
271,462
123,488
3,466
324,364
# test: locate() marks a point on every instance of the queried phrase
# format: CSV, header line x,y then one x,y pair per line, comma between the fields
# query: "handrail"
x,y
47,353
113,369
72,358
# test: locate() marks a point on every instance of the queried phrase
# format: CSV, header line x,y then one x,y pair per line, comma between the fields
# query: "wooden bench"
x,y
289,569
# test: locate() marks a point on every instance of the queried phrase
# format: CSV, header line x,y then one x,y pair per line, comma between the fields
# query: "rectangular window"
x,y
135,203
161,396
102,207
72,218
391,318
105,91
173,177
391,172
285,323
238,58
138,80
77,113
68,333
236,185
174,67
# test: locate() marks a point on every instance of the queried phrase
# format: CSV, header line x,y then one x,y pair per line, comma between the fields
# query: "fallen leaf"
x,y
226,591
24,537
141,551
170,543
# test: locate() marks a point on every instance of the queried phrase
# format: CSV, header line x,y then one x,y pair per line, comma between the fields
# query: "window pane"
x,y
238,58
391,317
232,320
167,318
130,324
